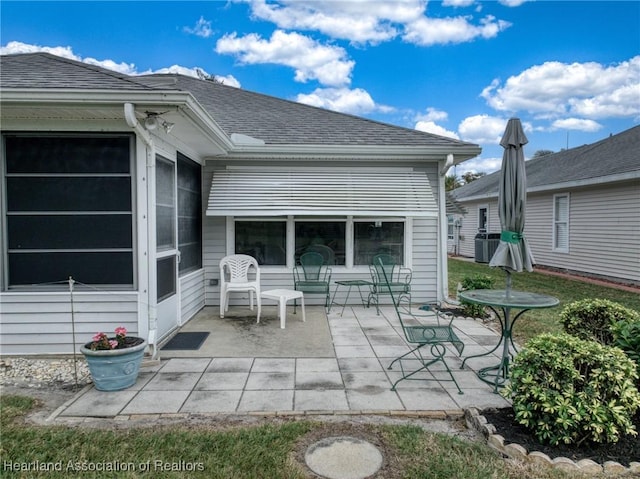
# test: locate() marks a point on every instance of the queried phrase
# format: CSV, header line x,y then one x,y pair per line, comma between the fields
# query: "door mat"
x,y
187,341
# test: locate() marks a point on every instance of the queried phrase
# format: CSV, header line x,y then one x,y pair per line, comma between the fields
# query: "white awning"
x,y
240,192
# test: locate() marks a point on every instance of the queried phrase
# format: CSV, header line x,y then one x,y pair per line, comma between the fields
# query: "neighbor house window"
x,y
483,219
189,215
561,223
324,237
450,227
376,237
266,241
69,209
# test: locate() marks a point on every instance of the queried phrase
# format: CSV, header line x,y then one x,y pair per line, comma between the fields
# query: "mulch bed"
x,y
625,451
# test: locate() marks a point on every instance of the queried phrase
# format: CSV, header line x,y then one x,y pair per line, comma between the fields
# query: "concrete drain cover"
x,y
343,458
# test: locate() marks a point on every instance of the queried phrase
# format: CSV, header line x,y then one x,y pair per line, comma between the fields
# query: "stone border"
x,y
515,451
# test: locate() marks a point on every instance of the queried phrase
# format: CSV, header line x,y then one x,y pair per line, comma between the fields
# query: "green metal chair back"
x,y
430,329
387,275
312,276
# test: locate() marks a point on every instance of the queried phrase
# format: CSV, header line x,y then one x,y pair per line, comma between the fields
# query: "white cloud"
x,y
345,100
482,129
126,68
557,89
67,52
432,115
311,60
479,165
431,127
457,3
434,31
364,21
202,28
360,21
576,124
512,3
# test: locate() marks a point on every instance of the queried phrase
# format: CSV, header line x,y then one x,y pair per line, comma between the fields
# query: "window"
x,y
342,242
69,209
324,237
450,227
189,215
561,223
165,205
265,240
483,219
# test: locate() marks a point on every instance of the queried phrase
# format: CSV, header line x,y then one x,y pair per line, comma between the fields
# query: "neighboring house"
x,y
137,186
455,213
583,208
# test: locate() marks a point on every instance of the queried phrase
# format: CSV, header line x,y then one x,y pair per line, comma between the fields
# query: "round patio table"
x,y
505,301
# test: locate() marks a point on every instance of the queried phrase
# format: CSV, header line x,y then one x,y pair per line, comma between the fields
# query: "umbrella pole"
x,y
508,288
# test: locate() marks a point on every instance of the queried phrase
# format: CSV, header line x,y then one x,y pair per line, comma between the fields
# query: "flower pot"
x,y
114,369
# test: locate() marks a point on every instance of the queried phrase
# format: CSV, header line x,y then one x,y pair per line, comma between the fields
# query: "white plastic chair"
x,y
234,276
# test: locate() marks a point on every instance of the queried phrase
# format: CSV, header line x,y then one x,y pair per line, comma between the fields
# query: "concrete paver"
x,y
355,379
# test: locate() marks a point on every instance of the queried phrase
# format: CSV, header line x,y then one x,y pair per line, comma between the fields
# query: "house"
x,y
583,209
136,186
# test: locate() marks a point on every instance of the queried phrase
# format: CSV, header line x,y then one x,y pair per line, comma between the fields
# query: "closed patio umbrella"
x,y
513,252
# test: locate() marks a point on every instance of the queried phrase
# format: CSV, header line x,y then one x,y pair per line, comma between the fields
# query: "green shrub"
x,y
568,390
477,281
593,319
626,336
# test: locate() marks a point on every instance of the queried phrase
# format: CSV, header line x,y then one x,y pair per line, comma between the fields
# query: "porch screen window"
x,y
561,223
189,215
376,237
324,237
69,209
266,241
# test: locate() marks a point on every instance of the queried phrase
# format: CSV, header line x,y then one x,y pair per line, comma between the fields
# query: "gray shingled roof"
x,y
278,121
273,120
43,70
616,155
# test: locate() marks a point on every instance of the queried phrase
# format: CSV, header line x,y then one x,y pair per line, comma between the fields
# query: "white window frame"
x,y
349,237
486,228
556,221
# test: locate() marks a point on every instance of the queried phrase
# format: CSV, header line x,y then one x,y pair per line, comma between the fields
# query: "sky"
x,y
458,68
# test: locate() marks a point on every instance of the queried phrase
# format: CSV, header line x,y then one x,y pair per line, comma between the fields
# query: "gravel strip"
x,y
40,373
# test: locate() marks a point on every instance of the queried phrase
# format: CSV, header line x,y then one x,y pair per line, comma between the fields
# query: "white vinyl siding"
x,y
191,294
561,223
41,323
604,230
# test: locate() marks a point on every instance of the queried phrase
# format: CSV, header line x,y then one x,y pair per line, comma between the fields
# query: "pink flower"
x,y
113,343
99,336
121,331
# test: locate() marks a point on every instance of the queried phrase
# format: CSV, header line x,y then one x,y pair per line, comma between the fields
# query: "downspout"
x,y
152,286
443,273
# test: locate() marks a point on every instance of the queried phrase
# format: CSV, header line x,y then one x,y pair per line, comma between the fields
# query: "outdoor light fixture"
x,y
153,119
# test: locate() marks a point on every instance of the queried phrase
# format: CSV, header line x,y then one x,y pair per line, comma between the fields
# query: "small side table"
x,y
282,296
358,283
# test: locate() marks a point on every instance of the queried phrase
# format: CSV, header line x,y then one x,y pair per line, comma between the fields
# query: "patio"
x,y
350,377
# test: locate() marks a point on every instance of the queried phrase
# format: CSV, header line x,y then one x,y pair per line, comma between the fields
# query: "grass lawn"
x,y
272,449
539,321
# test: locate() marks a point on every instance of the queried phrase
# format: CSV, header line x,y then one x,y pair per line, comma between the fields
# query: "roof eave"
x,y
365,152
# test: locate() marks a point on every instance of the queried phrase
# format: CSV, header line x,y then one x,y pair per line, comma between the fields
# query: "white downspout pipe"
x,y
443,273
152,286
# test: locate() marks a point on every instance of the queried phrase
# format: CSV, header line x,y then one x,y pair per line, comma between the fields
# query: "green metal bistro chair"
x,y
428,333
312,276
399,279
